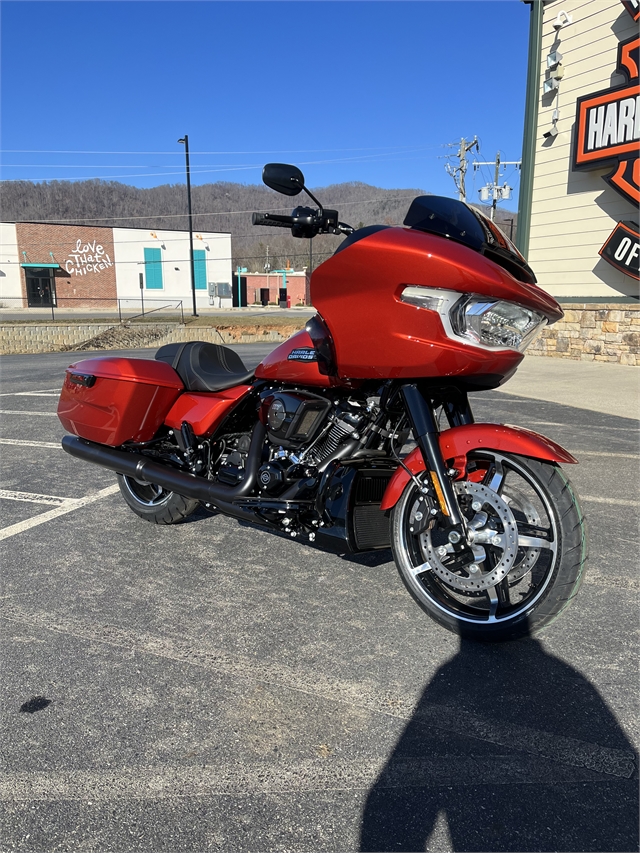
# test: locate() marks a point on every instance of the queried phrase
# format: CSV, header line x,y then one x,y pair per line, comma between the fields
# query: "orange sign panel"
x,y
608,126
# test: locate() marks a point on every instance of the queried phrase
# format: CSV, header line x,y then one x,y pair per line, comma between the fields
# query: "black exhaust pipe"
x,y
142,468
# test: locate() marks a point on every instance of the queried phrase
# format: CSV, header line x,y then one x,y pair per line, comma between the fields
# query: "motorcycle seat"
x,y
205,367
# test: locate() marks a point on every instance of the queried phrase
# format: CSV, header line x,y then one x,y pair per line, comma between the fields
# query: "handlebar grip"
x,y
271,219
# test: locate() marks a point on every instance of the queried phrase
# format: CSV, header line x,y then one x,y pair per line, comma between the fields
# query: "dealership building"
x,y
80,266
579,194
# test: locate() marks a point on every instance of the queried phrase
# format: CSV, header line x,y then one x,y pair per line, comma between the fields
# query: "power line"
x,y
268,151
370,158
200,171
79,219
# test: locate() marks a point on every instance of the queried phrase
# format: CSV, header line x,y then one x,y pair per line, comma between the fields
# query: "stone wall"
x,y
46,337
74,337
593,332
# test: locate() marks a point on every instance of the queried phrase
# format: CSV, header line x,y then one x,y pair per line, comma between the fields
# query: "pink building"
x,y
265,289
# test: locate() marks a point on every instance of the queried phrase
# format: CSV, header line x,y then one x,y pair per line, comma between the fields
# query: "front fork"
x,y
425,431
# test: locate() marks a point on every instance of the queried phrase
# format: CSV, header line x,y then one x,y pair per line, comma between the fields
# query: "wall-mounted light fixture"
x,y
550,84
553,130
554,58
562,20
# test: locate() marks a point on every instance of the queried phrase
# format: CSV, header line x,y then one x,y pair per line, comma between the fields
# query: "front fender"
x,y
455,443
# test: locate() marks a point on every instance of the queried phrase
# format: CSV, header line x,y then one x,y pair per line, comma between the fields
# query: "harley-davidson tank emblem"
x,y
302,354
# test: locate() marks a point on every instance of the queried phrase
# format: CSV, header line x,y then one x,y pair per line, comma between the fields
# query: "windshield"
x,y
464,224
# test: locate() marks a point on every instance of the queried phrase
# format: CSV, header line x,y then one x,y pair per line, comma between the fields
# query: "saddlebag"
x,y
111,400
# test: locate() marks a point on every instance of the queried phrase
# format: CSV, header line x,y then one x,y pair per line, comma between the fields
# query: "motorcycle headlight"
x,y
497,324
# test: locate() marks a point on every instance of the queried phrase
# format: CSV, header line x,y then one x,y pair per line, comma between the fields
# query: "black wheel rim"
x,y
146,494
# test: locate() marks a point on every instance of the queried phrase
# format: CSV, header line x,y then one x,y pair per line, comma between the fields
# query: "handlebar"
x,y
305,222
272,219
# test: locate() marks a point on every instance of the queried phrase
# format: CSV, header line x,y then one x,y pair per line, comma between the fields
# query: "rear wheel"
x,y
153,503
528,536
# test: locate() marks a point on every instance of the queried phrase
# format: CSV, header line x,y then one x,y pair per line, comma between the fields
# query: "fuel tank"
x,y
296,361
377,336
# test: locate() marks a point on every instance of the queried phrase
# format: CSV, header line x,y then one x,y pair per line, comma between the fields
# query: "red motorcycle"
x,y
336,436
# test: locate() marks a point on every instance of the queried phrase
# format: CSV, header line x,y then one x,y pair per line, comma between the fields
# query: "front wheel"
x,y
528,537
153,503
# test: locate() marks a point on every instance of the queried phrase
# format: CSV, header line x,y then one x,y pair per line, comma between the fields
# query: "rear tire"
x,y
531,549
153,503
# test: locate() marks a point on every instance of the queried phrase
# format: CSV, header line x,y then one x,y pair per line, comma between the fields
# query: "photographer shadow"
x,y
509,748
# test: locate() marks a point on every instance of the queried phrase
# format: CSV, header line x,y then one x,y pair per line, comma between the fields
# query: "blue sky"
x,y
363,91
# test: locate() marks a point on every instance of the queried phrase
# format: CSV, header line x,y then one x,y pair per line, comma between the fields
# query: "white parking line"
x,y
68,506
20,442
615,501
25,412
48,392
578,453
32,497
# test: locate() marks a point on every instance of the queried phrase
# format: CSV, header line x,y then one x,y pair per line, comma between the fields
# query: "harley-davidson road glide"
x,y
337,436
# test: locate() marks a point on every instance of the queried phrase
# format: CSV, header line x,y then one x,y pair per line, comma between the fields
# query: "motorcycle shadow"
x,y
510,748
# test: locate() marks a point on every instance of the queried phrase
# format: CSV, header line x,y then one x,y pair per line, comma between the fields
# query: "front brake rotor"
x,y
518,502
474,578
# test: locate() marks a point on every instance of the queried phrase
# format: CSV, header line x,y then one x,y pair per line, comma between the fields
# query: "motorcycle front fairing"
x,y
377,335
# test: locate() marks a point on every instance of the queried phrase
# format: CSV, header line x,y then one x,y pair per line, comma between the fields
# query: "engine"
x,y
301,486
306,431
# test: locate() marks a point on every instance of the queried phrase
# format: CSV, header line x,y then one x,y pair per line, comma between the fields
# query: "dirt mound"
x,y
122,337
239,330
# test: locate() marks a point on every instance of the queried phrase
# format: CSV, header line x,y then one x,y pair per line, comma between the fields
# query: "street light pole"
x,y
185,141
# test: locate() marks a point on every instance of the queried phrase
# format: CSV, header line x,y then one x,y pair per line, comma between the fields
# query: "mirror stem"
x,y
313,198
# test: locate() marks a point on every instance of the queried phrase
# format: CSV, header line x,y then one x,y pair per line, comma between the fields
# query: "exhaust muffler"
x,y
142,468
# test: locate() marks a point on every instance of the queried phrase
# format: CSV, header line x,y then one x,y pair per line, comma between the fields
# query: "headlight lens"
x,y
499,324
424,297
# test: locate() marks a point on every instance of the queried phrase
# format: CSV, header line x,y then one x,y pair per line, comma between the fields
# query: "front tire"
x,y
153,503
530,548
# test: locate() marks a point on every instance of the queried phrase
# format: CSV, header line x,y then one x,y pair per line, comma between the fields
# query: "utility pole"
x,y
267,269
458,172
494,191
185,141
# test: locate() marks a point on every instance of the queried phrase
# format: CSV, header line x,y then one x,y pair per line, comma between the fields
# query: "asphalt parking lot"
x,y
211,686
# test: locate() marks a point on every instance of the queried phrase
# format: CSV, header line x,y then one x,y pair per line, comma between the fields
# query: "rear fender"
x,y
457,442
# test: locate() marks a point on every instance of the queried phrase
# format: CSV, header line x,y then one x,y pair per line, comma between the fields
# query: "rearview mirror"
x,y
283,178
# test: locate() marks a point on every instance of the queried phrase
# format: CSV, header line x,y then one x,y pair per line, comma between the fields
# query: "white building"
x,y
80,266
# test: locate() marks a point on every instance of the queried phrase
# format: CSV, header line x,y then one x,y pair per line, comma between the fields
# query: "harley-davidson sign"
x,y
622,249
608,132
608,127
